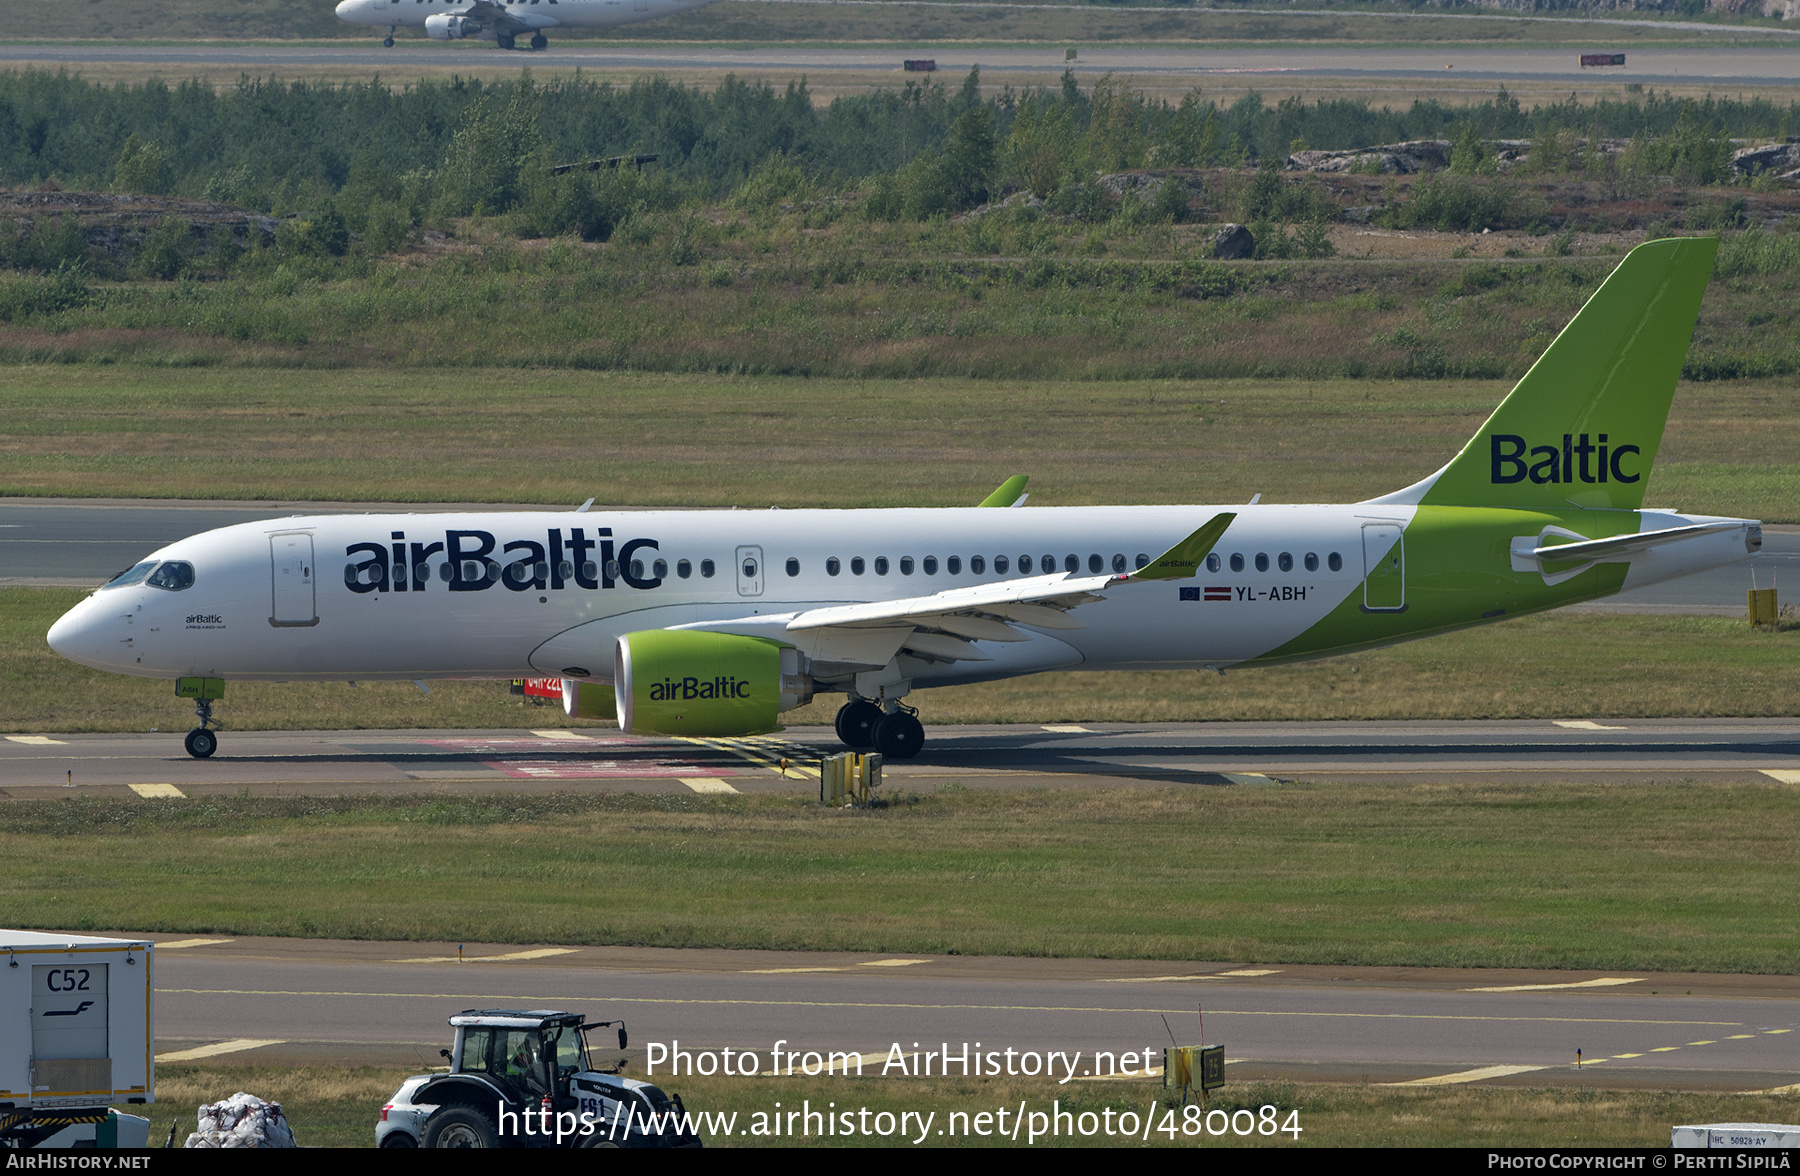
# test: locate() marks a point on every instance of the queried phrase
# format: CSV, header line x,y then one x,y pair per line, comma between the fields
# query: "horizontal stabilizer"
x,y
1599,549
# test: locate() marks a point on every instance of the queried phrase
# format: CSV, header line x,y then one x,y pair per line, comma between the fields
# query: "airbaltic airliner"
x,y
712,623
502,21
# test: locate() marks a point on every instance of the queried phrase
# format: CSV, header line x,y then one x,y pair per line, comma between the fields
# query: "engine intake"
x,y
445,27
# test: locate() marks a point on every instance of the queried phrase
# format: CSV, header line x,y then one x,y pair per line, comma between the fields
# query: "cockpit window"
x,y
131,575
173,576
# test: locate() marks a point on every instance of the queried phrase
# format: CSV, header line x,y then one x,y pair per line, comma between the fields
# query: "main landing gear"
x,y
201,742
504,40
539,41
896,733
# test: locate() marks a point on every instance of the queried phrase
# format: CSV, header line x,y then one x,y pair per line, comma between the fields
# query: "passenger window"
x,y
978,565
589,570
953,565
1095,563
706,569
1212,562
1048,563
856,565
1262,561
612,569
1312,561
749,569
637,570
930,565
1072,562
1143,561
1118,563
793,566
1285,562
1335,562
683,568
881,565
659,569
176,575
1024,565
566,570
906,565
833,567
999,565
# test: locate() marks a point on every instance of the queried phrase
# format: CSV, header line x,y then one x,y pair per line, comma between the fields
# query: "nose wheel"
x,y
388,42
201,742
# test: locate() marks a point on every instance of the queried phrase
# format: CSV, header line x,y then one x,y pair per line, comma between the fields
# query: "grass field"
x,y
559,437
1667,876
1554,666
337,1108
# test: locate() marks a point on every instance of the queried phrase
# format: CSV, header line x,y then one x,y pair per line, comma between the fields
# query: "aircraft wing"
x,y
494,17
946,625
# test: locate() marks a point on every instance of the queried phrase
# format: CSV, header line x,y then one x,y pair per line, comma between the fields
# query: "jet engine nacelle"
x,y
445,27
675,682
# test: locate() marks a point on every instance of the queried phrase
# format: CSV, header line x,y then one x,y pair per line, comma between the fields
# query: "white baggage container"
x,y
77,1030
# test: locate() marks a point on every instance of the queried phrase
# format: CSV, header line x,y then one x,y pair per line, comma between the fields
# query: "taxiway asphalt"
x,y
318,763
369,1003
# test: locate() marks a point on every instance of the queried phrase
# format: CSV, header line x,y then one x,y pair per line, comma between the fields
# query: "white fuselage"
x,y
530,14
376,597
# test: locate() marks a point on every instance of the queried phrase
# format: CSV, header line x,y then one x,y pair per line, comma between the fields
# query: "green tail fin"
x,y
1584,424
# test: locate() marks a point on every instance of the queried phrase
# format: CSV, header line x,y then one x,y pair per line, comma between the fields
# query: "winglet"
x,y
1182,561
1008,493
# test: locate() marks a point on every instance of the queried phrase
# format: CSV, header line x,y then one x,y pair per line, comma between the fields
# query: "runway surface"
x,y
344,1003
1776,64
979,757
80,543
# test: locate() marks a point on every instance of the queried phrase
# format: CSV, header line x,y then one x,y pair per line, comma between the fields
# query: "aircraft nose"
x,y
65,635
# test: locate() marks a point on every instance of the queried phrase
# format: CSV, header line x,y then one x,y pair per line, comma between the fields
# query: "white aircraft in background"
x,y
712,623
502,21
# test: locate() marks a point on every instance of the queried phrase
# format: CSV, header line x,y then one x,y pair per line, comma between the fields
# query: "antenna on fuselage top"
x,y
1255,498
582,509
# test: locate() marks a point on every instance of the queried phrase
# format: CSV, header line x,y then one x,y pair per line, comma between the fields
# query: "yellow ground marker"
x,y
236,1045
1782,775
159,790
178,944
1665,1049
1703,1043
1628,1055
891,963
1585,725
1155,979
1067,729
1252,972
707,784
534,954
1602,982
787,971
559,733
37,740
1461,1076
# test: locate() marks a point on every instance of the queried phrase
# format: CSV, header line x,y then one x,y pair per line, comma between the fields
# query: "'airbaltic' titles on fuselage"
x,y
1548,464
688,689
468,562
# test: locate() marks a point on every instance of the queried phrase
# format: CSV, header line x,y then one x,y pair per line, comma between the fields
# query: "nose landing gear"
x,y
201,742
388,41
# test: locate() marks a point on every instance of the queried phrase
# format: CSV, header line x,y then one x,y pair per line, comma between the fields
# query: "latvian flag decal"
x,y
1218,592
